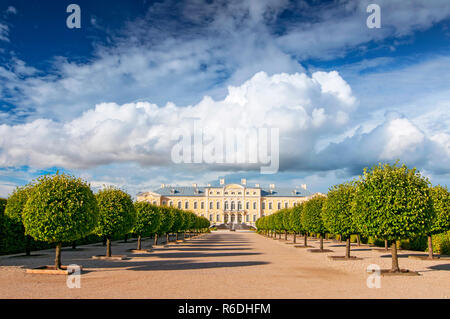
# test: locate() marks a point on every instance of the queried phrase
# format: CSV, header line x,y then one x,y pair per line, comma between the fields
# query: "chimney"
x,y
243,181
222,181
272,186
304,186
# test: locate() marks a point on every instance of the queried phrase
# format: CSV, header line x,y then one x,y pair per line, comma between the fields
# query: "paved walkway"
x,y
223,264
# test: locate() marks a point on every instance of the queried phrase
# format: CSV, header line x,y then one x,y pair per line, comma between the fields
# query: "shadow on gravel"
x,y
440,267
192,255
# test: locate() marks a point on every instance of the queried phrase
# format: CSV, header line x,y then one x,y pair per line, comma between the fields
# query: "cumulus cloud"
x,y
396,138
303,108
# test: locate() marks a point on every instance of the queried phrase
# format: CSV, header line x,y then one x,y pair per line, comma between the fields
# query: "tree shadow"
x,y
445,267
192,255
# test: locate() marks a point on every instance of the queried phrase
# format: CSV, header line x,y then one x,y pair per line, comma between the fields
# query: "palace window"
x,y
232,205
239,206
211,205
195,205
247,205
226,205
218,205
202,205
286,205
179,205
218,218
170,203
254,218
254,205
270,205
263,205
279,205
186,205
210,217
154,202
247,218
164,202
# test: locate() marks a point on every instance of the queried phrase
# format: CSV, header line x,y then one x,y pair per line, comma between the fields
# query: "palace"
x,y
228,204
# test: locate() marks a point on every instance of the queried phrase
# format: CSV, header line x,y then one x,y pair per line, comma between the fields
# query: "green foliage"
x,y
166,220
285,214
3,202
441,205
441,243
116,212
147,219
295,219
16,203
312,215
59,208
178,220
393,202
337,210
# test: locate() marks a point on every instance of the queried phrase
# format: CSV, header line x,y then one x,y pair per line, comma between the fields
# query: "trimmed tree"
x,y
165,222
14,208
312,217
116,214
178,221
60,208
441,220
295,219
393,203
146,222
338,214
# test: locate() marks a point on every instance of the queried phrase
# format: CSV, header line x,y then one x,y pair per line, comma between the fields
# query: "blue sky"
x,y
102,101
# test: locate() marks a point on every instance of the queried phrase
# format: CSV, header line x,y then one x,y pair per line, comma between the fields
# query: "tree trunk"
x,y
167,238
155,240
125,239
430,247
58,256
28,245
74,244
347,248
139,243
295,237
395,267
358,239
176,236
279,235
108,247
285,235
306,239
386,245
321,242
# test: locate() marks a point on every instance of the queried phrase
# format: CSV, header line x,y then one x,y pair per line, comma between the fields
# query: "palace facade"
x,y
228,203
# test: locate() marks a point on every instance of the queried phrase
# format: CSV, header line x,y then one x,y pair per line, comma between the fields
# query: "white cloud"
x,y
302,107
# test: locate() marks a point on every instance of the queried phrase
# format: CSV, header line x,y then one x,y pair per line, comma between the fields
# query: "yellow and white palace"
x,y
228,203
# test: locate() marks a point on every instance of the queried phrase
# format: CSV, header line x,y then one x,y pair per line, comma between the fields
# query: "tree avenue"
x,y
60,208
147,220
116,214
393,203
338,214
312,217
14,208
441,218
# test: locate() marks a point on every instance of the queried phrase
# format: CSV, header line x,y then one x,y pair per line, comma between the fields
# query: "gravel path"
x,y
224,264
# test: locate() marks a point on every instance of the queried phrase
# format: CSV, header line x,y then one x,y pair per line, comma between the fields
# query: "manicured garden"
x,y
57,210
387,204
